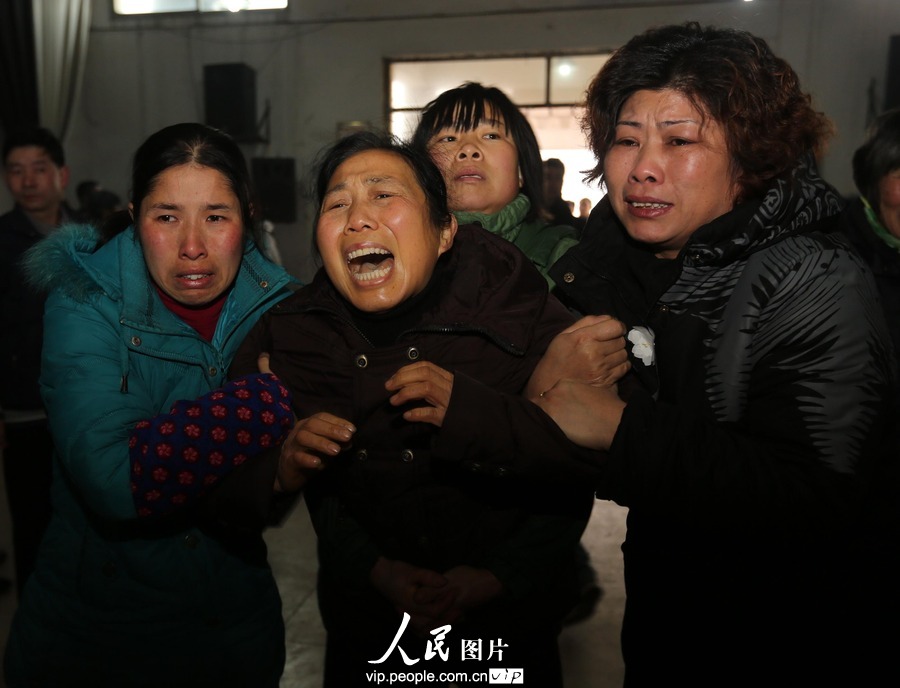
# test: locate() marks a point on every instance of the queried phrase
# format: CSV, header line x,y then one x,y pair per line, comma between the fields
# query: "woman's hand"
x,y
262,362
422,381
591,350
473,587
588,414
320,435
422,593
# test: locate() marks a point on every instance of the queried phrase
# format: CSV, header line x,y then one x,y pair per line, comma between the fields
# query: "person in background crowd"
x,y
875,214
83,192
760,370
873,225
36,175
584,210
403,291
561,211
99,206
491,163
132,587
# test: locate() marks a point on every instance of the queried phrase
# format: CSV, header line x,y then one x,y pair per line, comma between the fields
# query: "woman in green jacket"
x,y
132,587
490,160
491,163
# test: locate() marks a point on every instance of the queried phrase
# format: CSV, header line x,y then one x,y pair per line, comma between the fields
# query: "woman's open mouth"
x,y
370,263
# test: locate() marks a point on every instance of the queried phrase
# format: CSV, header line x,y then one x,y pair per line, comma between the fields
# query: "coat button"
x,y
191,541
362,455
663,308
406,455
569,277
135,341
212,371
264,284
361,361
412,353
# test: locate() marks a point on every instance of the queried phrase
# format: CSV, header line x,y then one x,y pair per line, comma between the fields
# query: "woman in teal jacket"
x,y
132,586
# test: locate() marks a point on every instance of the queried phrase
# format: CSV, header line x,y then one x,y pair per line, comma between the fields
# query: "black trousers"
x,y
27,469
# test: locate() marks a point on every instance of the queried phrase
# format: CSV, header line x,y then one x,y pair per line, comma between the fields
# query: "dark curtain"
x,y
18,73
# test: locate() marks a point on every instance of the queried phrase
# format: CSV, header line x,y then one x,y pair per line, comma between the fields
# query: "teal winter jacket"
x,y
149,597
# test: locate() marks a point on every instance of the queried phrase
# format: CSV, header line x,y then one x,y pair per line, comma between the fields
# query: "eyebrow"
x,y
29,163
664,123
175,206
369,180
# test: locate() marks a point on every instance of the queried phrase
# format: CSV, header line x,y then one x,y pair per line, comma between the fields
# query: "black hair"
x,y
878,156
555,163
464,107
426,172
190,142
35,136
85,189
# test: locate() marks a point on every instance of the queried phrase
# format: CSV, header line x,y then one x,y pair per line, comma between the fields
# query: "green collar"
x,y
505,223
878,228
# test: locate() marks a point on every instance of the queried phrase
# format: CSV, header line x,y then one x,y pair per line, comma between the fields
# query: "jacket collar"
x,y
506,223
789,207
70,260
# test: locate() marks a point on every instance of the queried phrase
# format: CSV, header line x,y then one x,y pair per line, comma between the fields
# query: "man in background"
x,y
36,174
559,209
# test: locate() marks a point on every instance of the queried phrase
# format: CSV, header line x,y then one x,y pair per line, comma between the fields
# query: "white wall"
x,y
322,62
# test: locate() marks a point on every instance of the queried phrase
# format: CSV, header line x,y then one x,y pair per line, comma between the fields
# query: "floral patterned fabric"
x,y
180,454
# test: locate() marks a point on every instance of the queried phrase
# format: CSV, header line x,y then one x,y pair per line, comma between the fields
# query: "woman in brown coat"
x,y
480,560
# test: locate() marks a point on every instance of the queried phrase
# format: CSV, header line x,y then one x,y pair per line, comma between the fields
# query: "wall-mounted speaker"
x,y
229,98
276,189
892,88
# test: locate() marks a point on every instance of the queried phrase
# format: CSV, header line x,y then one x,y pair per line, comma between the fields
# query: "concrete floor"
x,y
590,649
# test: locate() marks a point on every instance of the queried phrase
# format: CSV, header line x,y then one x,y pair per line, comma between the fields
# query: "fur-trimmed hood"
x,y
57,262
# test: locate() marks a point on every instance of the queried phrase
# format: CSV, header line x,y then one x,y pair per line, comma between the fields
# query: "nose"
x,y
647,166
193,242
468,149
361,218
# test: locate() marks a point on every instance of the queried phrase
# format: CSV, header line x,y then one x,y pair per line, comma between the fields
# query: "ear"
x,y
521,179
64,176
131,211
448,233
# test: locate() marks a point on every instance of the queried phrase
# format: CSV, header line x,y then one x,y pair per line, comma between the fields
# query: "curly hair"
x,y
730,76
